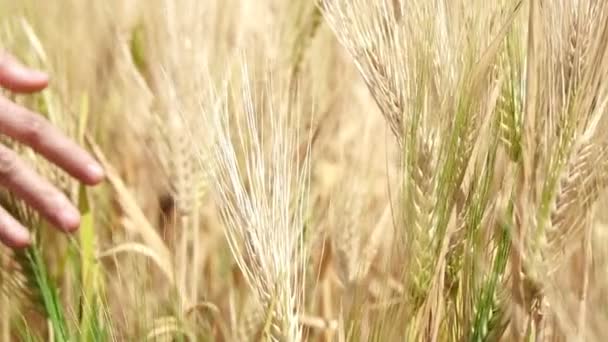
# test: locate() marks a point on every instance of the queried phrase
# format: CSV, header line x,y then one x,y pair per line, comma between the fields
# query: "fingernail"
x,y
38,75
24,72
22,237
70,218
95,172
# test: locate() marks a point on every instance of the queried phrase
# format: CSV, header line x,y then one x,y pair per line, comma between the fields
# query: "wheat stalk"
x,y
261,196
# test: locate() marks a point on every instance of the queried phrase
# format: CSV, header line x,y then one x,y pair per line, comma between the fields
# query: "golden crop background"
x,y
333,171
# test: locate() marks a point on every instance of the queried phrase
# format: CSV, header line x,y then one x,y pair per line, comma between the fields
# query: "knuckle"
x,y
8,162
49,202
33,129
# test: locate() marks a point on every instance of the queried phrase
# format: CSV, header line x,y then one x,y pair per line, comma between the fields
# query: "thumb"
x,y
15,77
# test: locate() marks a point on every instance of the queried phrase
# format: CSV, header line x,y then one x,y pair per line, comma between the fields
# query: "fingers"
x,y
26,184
17,78
35,131
12,233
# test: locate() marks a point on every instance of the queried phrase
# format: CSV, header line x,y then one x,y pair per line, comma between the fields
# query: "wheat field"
x,y
328,170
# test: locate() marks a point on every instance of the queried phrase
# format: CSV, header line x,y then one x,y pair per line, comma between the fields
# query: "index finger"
x,y
35,131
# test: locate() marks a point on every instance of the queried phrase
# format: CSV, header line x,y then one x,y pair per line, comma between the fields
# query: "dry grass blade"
x,y
140,224
133,247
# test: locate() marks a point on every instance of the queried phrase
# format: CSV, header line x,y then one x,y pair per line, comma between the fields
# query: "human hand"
x,y
35,131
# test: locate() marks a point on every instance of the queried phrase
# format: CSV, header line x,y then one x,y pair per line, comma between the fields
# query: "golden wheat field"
x,y
331,170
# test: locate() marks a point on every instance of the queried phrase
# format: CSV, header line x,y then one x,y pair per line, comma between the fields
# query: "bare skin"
x,y
35,131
